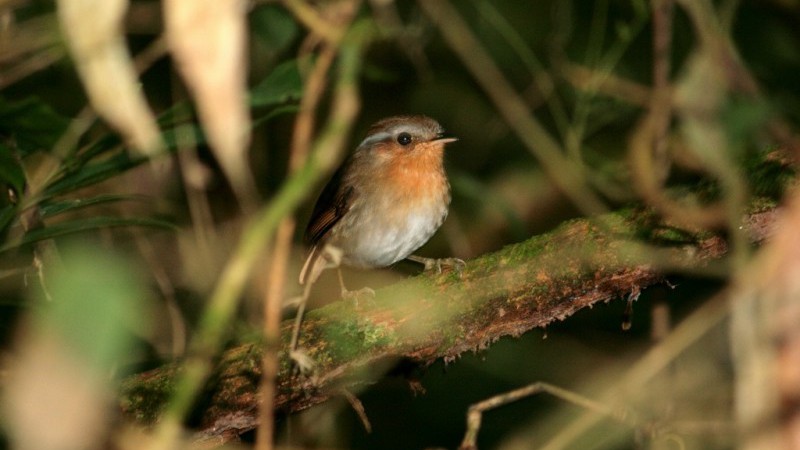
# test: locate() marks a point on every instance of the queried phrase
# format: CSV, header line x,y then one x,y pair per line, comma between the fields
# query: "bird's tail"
x,y
313,266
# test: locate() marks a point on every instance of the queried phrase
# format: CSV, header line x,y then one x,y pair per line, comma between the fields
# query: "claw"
x,y
458,265
357,295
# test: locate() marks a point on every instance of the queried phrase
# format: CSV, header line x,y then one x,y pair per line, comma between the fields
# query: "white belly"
x,y
383,241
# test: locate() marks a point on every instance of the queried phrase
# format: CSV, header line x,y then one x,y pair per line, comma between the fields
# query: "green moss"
x,y
353,337
760,204
146,397
768,177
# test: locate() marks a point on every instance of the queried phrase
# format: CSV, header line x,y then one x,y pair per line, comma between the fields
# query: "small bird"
x,y
385,201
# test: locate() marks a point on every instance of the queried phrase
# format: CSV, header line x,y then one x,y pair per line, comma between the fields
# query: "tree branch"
x,y
428,317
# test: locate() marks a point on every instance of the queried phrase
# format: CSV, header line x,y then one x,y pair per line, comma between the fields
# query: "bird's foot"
x,y
457,264
355,296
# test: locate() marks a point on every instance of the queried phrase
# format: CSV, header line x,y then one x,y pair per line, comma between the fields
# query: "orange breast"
x,y
416,176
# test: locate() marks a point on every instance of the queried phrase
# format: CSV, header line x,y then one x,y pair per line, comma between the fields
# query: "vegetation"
x,y
159,160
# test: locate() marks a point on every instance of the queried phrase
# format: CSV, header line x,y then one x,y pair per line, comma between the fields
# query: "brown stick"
x,y
475,413
433,317
301,142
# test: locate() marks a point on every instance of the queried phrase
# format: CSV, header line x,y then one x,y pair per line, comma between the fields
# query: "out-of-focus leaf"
x,y
469,187
60,375
701,94
95,310
7,214
207,41
49,209
12,182
11,173
93,173
179,112
106,69
108,142
743,118
378,74
27,38
283,84
83,225
33,124
288,109
171,135
112,142
49,383
274,27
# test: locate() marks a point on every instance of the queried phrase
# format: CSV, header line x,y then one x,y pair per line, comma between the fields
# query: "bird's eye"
x,y
404,139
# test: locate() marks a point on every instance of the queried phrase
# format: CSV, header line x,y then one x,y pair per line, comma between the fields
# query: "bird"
x,y
386,200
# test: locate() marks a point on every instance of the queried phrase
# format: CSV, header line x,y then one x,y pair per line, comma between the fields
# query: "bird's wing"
x,y
333,203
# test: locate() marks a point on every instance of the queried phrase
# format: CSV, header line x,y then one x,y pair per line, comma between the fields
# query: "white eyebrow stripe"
x,y
377,137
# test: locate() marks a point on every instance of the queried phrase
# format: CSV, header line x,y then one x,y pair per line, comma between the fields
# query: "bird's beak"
x,y
444,138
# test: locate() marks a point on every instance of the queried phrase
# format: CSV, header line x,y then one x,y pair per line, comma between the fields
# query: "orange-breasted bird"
x,y
385,201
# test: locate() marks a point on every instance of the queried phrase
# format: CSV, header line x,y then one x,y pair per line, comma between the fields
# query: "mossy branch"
x,y
431,317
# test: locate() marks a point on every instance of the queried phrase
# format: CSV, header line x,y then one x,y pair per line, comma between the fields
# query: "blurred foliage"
x,y
64,172
95,312
80,337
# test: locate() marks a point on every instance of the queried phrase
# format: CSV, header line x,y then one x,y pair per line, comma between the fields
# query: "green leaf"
x,y
11,172
83,225
93,173
97,299
33,124
288,109
12,182
282,85
744,118
274,27
7,215
171,136
179,112
81,171
53,208
108,142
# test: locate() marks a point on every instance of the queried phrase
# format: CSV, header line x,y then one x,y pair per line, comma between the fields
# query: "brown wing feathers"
x,y
332,204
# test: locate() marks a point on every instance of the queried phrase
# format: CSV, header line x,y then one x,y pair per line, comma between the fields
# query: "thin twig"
x,y
661,99
543,81
313,20
660,356
301,140
224,298
358,407
68,142
34,63
167,290
650,186
475,413
562,171
389,21
584,78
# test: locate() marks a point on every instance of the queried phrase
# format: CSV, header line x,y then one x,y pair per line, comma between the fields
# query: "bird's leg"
x,y
355,296
437,263
332,257
302,361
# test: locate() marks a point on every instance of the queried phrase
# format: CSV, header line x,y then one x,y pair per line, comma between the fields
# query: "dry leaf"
x,y
52,400
207,40
93,30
